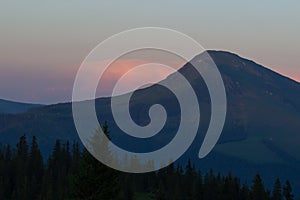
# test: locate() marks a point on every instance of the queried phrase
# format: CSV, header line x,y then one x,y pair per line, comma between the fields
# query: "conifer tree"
x,y
277,190
8,173
197,186
56,174
35,171
245,192
94,179
189,180
287,191
257,190
20,168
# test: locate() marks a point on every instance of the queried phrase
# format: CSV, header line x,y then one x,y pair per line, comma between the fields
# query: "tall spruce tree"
x,y
257,190
56,177
287,191
277,190
94,179
244,192
2,164
20,168
8,173
35,171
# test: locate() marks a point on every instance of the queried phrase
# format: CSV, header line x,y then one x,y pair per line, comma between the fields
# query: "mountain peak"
x,y
228,62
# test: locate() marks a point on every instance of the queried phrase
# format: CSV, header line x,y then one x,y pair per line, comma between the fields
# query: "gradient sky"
x,y
43,43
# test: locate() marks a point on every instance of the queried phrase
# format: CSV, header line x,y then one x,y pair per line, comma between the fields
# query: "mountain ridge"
x,y
13,107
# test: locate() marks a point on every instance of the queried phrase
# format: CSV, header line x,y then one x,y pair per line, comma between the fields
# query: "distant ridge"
x,y
12,107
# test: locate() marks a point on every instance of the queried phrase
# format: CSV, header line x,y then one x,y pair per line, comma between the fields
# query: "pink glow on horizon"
x,y
122,66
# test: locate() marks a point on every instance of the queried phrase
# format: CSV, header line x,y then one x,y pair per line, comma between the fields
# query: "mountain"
x,y
11,107
261,132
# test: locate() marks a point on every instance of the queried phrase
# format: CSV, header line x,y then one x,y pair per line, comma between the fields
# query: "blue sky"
x,y
43,43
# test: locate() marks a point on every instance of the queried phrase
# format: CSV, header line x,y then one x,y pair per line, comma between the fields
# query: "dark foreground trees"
x,y
69,173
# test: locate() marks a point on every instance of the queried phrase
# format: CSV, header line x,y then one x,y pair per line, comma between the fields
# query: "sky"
x,y
42,44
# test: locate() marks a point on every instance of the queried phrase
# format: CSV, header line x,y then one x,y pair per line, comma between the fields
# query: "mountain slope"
x,y
269,104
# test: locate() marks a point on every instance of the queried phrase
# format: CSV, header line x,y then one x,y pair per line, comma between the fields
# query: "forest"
x,y
72,173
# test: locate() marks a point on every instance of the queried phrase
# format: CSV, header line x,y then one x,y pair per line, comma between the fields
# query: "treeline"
x,y
73,174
